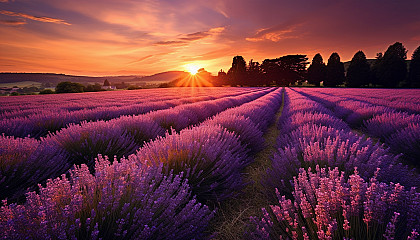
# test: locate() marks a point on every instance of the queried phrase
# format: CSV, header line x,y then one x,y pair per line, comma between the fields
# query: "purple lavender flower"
x,y
84,142
122,200
328,205
211,158
407,141
24,163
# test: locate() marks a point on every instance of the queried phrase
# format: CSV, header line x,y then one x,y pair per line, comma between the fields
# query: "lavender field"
x,y
211,163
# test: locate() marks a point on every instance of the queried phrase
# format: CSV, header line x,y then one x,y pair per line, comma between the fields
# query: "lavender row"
x,y
312,138
399,130
122,200
406,100
147,196
214,153
44,120
82,143
11,107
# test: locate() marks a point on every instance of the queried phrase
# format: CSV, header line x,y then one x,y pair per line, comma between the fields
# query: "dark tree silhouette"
x,y
334,72
358,73
374,70
316,71
221,79
414,74
285,70
69,87
393,69
254,74
237,73
107,83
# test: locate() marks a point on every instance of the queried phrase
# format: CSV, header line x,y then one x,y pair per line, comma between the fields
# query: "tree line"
x,y
387,70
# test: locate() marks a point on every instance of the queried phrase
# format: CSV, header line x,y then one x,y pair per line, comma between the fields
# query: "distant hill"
x,y
53,79
165,76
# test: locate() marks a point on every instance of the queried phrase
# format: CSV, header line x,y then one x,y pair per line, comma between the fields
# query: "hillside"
x,y
52,78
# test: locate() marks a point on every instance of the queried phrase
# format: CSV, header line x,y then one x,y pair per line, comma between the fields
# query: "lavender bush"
x,y
407,141
295,120
140,128
84,142
326,205
122,200
382,126
211,158
247,131
24,163
312,145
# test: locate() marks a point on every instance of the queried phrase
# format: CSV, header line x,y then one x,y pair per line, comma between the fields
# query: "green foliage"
x,y
358,73
317,70
414,74
93,88
14,94
46,91
392,69
69,87
334,71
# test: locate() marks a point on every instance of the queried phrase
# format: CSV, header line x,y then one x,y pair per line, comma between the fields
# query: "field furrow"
x,y
398,129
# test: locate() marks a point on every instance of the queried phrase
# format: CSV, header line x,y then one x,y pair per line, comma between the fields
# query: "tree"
x,y
358,73
334,75
414,74
316,71
374,79
46,91
285,70
69,87
107,83
393,68
93,88
221,78
237,73
254,74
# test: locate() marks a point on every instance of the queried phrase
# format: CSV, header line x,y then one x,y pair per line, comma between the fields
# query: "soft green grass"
x,y
233,215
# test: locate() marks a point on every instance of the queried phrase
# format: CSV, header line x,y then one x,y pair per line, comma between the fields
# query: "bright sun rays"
x,y
198,77
192,68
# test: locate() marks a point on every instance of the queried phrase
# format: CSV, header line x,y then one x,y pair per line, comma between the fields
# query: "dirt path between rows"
x,y
233,215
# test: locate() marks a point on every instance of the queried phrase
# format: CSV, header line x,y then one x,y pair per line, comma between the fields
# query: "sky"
x,y
143,37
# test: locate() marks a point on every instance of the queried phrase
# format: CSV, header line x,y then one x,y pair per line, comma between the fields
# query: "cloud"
x,y
12,22
191,37
5,1
40,19
275,34
195,36
141,59
170,42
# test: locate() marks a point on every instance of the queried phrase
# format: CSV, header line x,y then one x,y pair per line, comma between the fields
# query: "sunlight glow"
x,y
192,68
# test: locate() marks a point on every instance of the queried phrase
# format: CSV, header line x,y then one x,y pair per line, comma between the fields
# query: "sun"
x,y
192,68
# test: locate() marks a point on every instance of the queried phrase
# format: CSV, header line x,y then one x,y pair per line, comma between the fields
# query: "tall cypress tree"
x,y
358,73
316,71
414,74
393,68
237,73
334,71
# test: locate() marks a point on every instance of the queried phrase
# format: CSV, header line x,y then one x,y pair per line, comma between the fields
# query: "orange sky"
x,y
123,37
